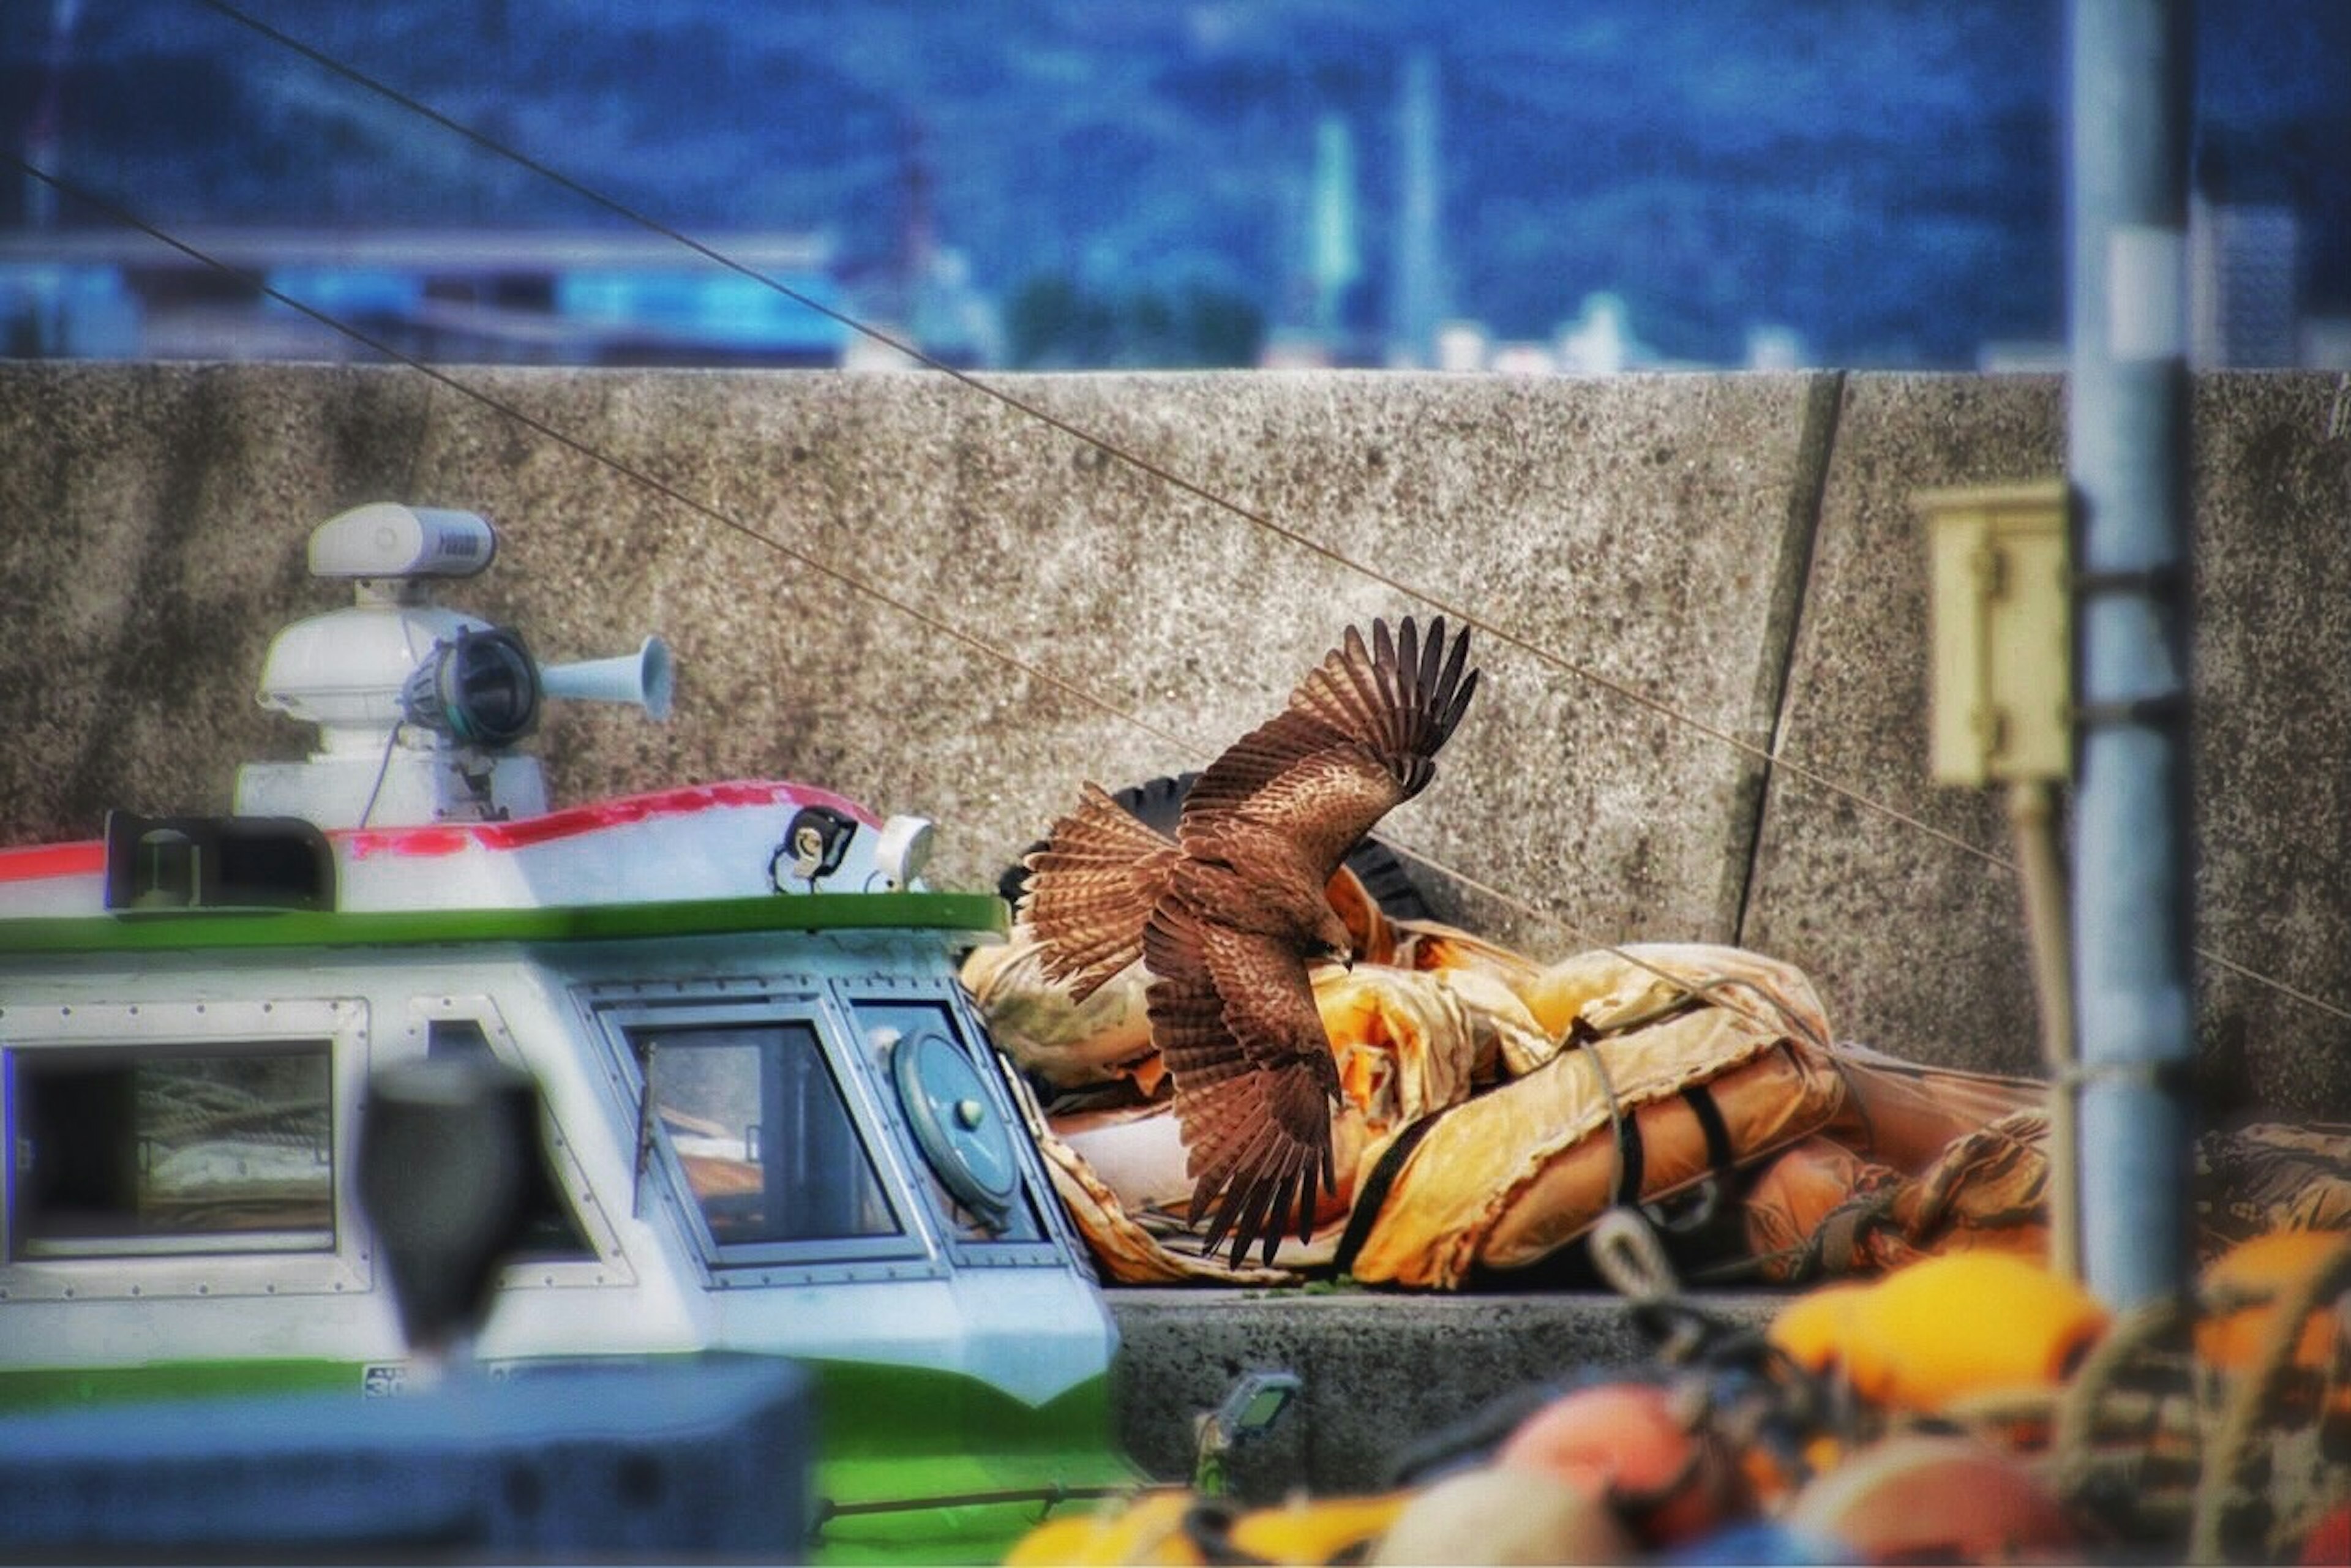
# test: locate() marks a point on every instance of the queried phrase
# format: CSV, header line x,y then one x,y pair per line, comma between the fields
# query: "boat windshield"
x,y
762,1133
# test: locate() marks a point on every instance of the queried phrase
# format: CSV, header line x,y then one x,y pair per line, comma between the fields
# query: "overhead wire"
x,y
123,216
1461,613
1771,756
659,486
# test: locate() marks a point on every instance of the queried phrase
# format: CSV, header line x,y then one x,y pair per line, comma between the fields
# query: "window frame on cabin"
x,y
162,1242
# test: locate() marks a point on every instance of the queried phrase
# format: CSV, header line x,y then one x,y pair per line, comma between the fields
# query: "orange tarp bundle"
x,y
1531,1097
1492,1108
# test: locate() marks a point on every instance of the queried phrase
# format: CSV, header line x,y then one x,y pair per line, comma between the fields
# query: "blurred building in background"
x,y
466,296
513,298
2243,284
2246,280
1418,290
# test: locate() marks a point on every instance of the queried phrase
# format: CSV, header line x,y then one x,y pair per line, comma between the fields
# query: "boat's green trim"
x,y
49,1387
147,932
873,1413
870,1408
886,1434
982,1442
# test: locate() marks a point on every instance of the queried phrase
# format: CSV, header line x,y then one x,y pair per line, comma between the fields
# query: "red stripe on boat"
x,y
450,838
34,862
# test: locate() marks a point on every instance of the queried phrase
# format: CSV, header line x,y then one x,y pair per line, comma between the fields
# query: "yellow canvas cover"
x,y
1524,1087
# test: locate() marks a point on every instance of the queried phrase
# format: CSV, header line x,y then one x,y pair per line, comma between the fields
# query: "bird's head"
x,y
1334,943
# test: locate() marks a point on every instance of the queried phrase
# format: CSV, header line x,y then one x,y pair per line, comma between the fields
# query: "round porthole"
x,y
958,1128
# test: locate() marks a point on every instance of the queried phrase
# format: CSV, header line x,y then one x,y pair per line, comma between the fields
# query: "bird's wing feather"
x,y
1235,1018
1092,887
1359,736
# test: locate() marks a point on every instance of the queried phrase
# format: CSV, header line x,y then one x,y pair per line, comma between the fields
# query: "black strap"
x,y
1689,1212
1720,1154
1630,1158
1373,1195
1633,1160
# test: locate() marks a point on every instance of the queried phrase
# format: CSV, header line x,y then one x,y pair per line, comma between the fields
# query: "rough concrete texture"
x,y
147,564
906,589
2273,693
1896,894
1380,1373
1913,935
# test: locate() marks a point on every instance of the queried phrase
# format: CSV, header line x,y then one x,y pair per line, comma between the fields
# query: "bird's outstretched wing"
x,y
1234,1015
1360,735
1092,887
1232,1011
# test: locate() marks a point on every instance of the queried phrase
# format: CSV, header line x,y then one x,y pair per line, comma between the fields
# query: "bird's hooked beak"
x,y
1334,942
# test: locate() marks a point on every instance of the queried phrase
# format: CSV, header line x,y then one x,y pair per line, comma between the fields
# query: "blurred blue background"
x,y
1473,184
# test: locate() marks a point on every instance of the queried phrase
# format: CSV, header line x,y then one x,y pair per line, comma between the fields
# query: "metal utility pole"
x,y
2128,424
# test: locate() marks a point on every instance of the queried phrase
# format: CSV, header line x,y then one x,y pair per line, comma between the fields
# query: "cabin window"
x,y
763,1134
216,1149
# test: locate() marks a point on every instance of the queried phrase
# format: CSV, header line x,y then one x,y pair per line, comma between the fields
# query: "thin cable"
x,y
382,770
621,209
988,649
1770,756
2247,972
660,487
849,580
553,175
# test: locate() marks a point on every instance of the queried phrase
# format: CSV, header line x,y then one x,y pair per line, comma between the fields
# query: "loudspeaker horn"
x,y
641,677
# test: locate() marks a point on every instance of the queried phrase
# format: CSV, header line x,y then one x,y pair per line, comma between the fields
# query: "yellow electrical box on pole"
x,y
2001,633
2002,694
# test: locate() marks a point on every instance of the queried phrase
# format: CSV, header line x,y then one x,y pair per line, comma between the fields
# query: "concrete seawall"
x,y
898,587
904,589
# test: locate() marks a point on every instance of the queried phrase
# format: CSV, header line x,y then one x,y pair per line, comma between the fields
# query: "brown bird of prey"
x,y
1226,916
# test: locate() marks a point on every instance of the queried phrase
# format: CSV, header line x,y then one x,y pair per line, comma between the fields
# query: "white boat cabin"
x,y
771,1124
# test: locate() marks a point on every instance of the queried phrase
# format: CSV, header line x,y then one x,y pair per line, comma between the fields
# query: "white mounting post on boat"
x,y
418,706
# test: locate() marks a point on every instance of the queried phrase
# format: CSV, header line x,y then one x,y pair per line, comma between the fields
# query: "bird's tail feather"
x,y
1092,888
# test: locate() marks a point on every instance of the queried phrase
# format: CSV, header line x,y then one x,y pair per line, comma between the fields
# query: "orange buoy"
x,y
1147,1529
1966,1325
1933,1499
1316,1530
1624,1441
1495,1515
1815,1330
2272,1265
